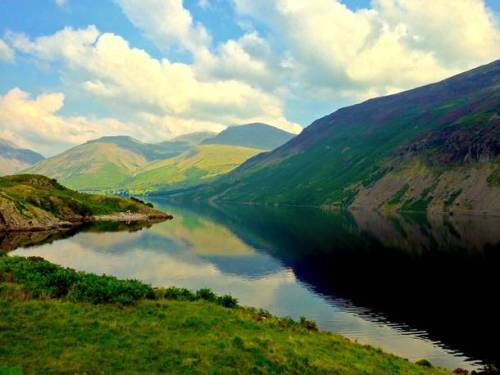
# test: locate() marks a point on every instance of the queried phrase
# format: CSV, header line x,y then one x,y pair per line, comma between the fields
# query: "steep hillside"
x,y
192,167
262,136
104,163
449,129
33,202
13,158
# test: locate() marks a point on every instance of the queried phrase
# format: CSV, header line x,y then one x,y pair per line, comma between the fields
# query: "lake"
x,y
416,286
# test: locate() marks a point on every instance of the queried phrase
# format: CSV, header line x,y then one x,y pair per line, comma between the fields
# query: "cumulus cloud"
x,y
167,23
104,65
34,123
6,53
319,50
394,45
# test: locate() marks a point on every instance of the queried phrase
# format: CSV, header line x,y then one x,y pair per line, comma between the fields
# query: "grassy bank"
x,y
56,320
34,201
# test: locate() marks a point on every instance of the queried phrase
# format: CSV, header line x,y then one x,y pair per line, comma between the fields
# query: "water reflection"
x,y
421,287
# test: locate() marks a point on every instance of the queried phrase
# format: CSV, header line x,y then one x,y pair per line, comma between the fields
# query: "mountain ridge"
x,y
348,150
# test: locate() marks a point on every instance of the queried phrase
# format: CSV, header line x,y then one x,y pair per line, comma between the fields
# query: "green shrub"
x,y
181,294
308,324
424,363
42,278
206,294
107,289
227,301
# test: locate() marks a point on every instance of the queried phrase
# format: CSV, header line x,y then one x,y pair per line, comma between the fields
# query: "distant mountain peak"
x,y
14,159
253,135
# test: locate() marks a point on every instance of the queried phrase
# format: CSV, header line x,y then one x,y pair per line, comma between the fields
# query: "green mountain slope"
x,y
190,168
13,158
257,135
34,202
340,156
104,163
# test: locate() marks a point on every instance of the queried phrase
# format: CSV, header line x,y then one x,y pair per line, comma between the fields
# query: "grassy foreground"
x,y
56,320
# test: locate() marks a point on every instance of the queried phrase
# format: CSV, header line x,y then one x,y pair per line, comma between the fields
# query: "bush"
x,y
137,200
308,324
106,289
181,294
227,301
42,278
206,294
424,363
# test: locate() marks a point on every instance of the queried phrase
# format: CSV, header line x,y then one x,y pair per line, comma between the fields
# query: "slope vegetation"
x,y
33,202
102,164
340,158
57,320
193,167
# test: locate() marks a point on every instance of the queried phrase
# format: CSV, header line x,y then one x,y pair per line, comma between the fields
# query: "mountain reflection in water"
x,y
421,287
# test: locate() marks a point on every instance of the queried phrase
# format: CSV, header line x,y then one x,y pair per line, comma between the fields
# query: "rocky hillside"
x,y
454,168
431,147
33,202
14,159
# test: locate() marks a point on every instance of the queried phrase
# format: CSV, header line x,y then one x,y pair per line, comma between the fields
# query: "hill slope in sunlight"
x,y
376,152
196,166
102,164
34,202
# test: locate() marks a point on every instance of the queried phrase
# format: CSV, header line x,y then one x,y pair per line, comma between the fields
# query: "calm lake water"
x,y
415,286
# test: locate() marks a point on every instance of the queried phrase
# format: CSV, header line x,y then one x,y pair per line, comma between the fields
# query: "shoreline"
x,y
76,222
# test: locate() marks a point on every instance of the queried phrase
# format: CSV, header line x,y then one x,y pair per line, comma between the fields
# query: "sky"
x,y
75,70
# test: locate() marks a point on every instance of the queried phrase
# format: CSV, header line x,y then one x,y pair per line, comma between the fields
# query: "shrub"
x,y
182,294
206,294
42,278
227,301
107,289
424,363
308,324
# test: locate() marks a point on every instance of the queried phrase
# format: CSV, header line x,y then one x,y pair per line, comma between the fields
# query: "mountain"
x,y
194,138
256,135
33,202
126,165
435,147
102,164
13,158
195,166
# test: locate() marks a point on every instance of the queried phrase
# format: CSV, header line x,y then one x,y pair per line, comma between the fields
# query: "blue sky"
x,y
154,69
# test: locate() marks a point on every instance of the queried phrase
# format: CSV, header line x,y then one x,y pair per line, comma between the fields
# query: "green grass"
x,y
28,191
188,169
175,331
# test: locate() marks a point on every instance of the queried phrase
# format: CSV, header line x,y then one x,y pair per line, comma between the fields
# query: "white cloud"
x,y
319,49
167,23
6,53
395,45
107,67
61,3
34,123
